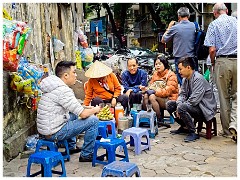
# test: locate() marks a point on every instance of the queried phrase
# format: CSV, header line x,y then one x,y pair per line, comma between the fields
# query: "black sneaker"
x,y
75,150
90,158
191,137
85,159
180,130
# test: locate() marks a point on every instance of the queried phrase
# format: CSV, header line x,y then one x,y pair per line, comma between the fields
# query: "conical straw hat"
x,y
97,70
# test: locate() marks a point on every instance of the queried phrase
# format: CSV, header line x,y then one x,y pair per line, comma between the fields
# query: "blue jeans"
x,y
76,126
176,67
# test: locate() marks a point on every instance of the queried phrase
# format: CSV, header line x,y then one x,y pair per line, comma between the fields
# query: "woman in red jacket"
x,y
103,86
162,87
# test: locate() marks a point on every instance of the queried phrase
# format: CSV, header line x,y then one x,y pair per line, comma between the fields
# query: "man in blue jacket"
x,y
195,100
132,80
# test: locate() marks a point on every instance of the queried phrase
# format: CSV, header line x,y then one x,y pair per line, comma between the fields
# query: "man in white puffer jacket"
x,y
60,116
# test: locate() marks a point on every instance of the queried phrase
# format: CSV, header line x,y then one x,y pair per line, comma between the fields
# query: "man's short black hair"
x,y
187,61
62,67
132,59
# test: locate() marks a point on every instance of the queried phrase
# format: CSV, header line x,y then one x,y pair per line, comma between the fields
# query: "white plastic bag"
x,y
57,45
32,142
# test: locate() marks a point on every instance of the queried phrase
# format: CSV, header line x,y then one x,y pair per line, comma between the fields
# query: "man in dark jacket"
x,y
133,80
195,100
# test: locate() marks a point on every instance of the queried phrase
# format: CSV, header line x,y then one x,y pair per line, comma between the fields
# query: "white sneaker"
x,y
233,131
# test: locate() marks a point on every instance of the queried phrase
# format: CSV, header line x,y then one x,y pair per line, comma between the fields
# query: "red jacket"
x,y
171,90
93,89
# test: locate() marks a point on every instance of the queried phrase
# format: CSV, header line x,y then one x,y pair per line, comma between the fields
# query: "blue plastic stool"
x,y
137,134
110,151
134,114
102,131
150,120
47,159
102,128
120,169
170,120
54,147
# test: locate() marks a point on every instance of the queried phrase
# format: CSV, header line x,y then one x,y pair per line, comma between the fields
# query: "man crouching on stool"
x,y
195,100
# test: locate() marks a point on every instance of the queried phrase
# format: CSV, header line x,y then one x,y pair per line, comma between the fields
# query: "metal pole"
x,y
97,38
202,17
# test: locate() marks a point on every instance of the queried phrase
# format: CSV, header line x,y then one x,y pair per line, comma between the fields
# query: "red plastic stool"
x,y
211,127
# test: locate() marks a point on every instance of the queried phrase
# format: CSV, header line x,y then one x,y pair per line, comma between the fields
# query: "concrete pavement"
x,y
169,156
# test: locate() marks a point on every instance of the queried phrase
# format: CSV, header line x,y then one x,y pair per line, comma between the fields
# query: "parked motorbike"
x,y
100,57
124,51
146,64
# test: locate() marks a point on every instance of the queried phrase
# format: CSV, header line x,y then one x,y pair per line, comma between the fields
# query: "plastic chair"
x,y
103,128
137,134
110,151
148,120
170,119
120,169
53,146
48,160
134,114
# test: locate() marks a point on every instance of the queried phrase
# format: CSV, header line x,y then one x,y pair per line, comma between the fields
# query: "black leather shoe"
x,y
191,137
75,150
180,130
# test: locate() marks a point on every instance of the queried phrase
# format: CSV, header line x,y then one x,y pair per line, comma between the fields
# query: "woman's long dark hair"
x,y
162,60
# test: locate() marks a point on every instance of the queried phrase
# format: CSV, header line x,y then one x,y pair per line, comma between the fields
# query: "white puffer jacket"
x,y
55,104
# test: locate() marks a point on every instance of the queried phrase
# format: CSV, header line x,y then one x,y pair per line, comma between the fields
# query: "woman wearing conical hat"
x,y
103,86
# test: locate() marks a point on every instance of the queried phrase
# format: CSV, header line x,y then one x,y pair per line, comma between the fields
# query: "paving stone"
x,y
184,163
194,157
203,152
147,172
221,161
178,170
160,172
216,170
183,149
157,163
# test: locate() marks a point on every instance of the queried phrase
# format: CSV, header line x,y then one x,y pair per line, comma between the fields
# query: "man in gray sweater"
x,y
195,100
183,36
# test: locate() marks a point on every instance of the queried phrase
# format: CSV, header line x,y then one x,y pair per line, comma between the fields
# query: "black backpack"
x,y
201,51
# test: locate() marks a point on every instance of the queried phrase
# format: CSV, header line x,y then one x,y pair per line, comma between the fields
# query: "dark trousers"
x,y
135,98
123,99
186,113
179,77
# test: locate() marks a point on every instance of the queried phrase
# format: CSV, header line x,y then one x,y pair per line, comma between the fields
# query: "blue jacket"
x,y
132,81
